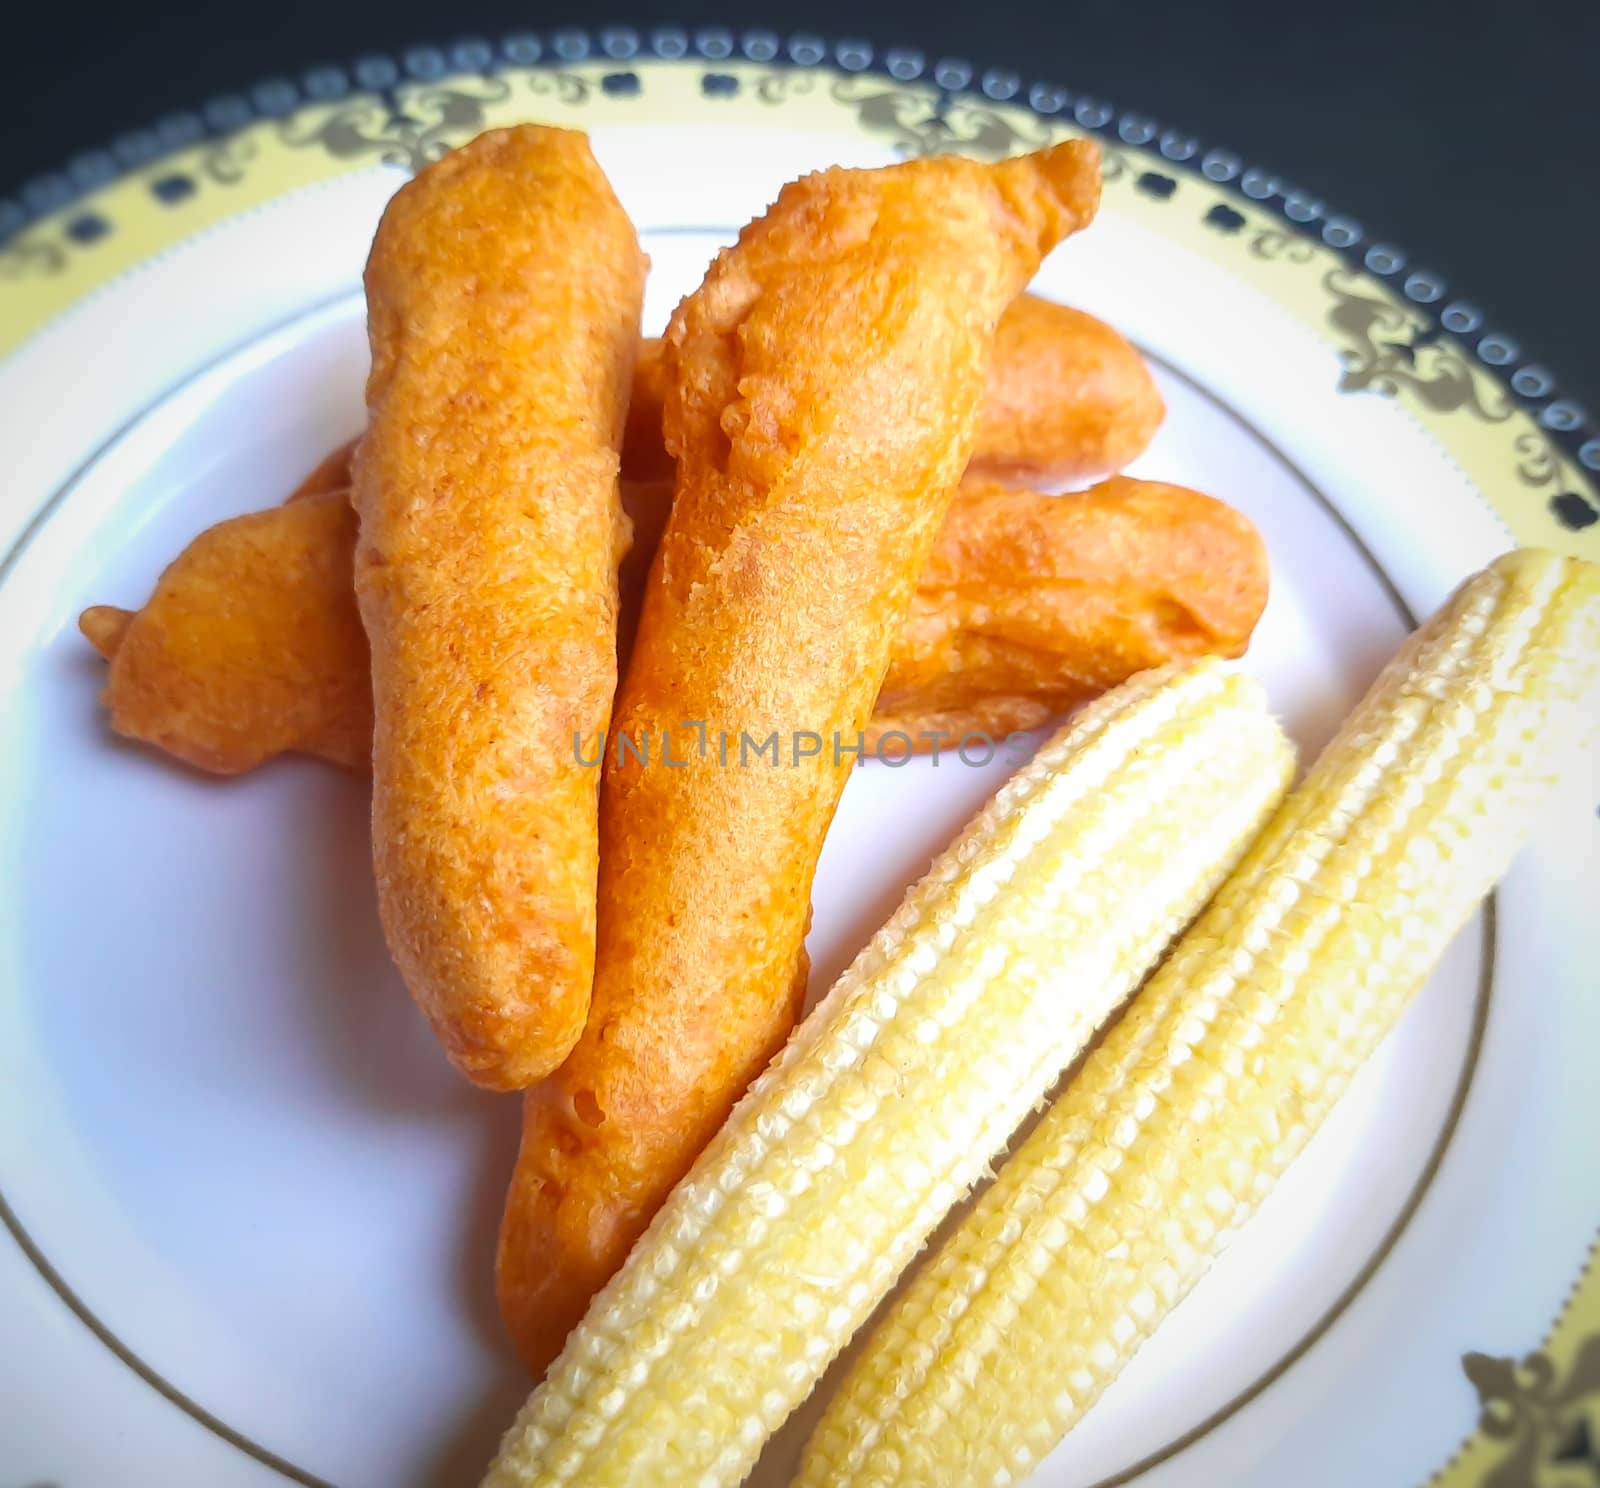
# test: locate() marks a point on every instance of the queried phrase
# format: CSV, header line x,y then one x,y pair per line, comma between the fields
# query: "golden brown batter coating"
x,y
1028,608
503,293
250,646
1068,399
826,383
1029,605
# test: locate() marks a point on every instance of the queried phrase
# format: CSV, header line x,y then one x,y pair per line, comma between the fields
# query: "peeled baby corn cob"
x,y
887,1103
1226,1063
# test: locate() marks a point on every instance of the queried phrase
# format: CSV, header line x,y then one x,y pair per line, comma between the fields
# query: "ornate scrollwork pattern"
x,y
225,161
1537,465
1115,164
1549,1425
924,122
412,129
1394,350
782,83
567,87
1272,243
1391,349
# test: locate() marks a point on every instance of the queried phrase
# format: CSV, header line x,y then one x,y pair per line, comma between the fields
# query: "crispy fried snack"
x,y
1066,399
503,298
826,384
250,646
1028,608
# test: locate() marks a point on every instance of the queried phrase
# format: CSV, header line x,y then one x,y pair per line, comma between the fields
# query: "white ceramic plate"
x,y
251,1209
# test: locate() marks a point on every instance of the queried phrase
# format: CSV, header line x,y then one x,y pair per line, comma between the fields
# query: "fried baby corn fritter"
x,y
251,645
1066,399
1029,607
503,295
826,382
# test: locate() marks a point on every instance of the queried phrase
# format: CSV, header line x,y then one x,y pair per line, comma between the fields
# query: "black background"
x,y
1467,134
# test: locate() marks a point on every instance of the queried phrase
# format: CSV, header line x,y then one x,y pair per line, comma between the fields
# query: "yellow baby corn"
x,y
888,1102
1226,1063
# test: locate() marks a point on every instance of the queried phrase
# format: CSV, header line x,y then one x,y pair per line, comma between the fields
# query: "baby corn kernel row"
x,y
1180,1123
889,1101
